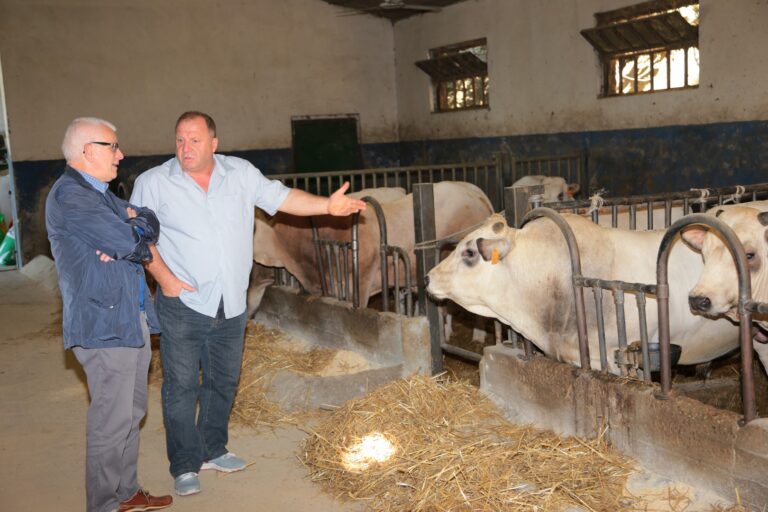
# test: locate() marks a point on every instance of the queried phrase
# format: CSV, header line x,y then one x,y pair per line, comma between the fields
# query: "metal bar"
x,y
598,293
318,256
457,351
424,229
641,315
621,324
745,316
396,282
578,291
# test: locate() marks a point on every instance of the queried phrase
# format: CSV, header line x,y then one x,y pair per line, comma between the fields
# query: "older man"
x,y
205,202
99,243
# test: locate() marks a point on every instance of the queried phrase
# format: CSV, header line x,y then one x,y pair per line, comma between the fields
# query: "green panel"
x,y
326,145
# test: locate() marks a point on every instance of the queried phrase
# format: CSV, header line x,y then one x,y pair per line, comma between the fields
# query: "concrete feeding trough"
x,y
371,348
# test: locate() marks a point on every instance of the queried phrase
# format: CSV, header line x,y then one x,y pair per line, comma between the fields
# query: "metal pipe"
x,y
578,290
641,315
598,293
736,249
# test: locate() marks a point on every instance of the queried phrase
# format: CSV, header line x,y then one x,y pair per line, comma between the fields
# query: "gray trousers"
x,y
117,384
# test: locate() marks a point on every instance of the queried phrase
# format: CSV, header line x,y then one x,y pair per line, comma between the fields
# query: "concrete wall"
x,y
252,64
544,76
680,438
386,339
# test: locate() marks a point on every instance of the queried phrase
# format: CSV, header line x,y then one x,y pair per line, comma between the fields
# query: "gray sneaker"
x,y
187,484
227,463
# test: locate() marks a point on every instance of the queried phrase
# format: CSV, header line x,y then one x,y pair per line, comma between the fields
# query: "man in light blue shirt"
x,y
202,263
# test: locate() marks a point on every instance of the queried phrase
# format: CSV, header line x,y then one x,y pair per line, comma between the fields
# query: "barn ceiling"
x,y
394,10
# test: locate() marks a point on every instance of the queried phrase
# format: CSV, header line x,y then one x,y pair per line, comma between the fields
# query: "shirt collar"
x,y
98,185
218,166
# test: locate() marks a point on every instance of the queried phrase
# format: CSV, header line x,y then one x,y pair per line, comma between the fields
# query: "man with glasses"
x,y
205,202
99,243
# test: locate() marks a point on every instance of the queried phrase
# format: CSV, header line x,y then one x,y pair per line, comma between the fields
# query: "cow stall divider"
x,y
746,307
661,291
333,256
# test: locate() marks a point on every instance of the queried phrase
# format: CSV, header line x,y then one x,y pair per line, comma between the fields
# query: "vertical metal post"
x,y
424,229
517,201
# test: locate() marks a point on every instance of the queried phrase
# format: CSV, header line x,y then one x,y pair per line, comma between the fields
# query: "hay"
x,y
454,451
268,351
265,352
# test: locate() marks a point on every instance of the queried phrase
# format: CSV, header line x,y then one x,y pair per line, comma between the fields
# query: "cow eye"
x,y
750,256
468,253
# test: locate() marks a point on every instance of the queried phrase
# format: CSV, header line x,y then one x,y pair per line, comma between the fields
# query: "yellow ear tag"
x,y
494,257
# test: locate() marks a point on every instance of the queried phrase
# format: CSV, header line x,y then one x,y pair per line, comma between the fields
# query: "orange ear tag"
x,y
494,257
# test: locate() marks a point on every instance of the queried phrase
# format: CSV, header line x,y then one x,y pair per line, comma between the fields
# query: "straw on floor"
x,y
454,451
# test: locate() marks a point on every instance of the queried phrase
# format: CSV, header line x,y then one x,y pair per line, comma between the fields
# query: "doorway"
x,y
327,143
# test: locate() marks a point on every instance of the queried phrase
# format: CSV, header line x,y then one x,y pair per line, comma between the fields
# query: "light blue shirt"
x,y
206,239
98,185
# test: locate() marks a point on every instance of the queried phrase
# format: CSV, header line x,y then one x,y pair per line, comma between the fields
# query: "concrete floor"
x,y
42,428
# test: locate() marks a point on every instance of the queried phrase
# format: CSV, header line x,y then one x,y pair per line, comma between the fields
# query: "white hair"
x,y
76,137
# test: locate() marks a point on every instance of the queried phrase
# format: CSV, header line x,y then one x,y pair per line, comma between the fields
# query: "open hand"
x,y
341,205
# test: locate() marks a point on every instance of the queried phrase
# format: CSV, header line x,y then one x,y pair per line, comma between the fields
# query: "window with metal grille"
x,y
653,46
459,75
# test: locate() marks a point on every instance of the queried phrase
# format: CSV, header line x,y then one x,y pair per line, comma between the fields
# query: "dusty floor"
x,y
42,428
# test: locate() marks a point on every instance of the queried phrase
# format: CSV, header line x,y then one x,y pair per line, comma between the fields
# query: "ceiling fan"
x,y
393,5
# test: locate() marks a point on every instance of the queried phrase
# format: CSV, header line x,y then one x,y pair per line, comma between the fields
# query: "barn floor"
x,y
42,428
43,424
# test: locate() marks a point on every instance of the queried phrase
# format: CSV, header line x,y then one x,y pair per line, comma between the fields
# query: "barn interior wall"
x,y
254,64
544,87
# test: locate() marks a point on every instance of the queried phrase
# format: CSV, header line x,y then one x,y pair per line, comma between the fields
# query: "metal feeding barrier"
x,y
746,307
339,264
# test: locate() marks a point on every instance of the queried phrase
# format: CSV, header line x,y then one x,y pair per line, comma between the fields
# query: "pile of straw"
x,y
266,352
454,451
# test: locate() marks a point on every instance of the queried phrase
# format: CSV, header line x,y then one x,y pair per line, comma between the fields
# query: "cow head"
x,y
467,274
716,292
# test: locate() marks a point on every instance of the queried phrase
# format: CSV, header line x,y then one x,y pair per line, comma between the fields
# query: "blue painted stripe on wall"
x,y
638,161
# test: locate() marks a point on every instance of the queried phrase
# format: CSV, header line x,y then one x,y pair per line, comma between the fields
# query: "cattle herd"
x,y
522,277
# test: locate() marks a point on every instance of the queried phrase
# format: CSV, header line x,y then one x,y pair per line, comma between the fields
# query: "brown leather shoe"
x,y
142,501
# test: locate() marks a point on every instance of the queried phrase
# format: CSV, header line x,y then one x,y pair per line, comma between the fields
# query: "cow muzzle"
x,y
699,303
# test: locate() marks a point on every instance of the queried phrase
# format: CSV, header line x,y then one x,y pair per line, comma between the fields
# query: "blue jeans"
x,y
191,342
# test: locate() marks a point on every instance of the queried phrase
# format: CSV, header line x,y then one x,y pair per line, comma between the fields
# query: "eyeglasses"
x,y
114,146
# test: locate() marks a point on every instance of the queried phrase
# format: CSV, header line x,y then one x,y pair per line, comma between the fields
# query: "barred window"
x,y
653,46
459,75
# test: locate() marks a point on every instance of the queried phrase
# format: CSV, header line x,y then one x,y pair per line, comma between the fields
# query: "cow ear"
x,y
493,249
694,237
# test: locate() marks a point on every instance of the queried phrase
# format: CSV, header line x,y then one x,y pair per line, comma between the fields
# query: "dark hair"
x,y
192,114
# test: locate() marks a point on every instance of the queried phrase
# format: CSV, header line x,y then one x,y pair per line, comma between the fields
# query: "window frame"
x,y
452,66
646,29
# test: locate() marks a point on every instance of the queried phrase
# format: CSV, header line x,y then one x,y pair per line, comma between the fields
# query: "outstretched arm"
x,y
303,203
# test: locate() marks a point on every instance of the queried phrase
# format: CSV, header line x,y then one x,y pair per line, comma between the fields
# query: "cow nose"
x,y
699,303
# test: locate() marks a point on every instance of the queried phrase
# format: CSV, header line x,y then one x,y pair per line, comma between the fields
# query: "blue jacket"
x,y
101,300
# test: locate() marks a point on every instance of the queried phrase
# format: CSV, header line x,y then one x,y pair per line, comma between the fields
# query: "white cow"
x,y
286,240
523,278
717,292
555,187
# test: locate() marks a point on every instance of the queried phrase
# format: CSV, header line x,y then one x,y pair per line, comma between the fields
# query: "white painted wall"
x,y
544,76
251,64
